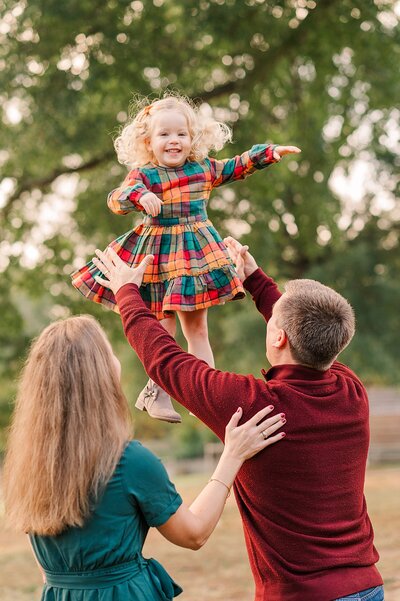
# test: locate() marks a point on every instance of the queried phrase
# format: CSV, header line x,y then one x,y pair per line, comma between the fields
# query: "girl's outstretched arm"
x,y
258,157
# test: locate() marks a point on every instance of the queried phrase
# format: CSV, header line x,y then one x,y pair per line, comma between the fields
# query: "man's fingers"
x,y
229,241
101,265
115,259
148,260
104,259
102,281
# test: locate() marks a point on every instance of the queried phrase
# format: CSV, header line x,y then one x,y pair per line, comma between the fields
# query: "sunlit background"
x,y
321,75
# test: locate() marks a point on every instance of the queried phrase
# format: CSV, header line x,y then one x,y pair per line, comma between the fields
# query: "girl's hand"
x,y
151,203
245,262
280,151
117,272
242,442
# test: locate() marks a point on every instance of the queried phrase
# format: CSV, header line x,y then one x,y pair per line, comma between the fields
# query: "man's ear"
x,y
281,339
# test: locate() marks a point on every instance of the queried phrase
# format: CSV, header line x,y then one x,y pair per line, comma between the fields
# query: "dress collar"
x,y
295,372
163,168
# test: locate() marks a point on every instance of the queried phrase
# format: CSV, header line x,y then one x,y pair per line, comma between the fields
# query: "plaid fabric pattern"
x,y
192,268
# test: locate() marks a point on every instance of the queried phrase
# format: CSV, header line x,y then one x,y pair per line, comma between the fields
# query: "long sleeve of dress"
x,y
127,197
228,170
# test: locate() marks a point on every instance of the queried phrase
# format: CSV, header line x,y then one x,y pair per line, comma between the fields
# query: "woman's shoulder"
x,y
135,447
139,457
140,467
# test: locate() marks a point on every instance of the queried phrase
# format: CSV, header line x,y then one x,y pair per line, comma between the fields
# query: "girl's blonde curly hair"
x,y
206,133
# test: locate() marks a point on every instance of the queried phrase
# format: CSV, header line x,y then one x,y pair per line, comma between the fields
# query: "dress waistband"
x,y
101,578
113,575
149,220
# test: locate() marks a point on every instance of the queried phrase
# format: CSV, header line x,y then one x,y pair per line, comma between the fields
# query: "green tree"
x,y
322,75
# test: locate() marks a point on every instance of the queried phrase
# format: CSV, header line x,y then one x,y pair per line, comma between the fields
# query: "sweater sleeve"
x,y
228,170
127,197
212,395
264,291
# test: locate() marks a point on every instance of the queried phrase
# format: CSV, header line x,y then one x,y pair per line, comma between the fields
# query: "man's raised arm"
x,y
210,394
263,289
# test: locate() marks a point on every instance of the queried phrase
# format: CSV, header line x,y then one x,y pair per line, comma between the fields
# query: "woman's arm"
x,y
190,527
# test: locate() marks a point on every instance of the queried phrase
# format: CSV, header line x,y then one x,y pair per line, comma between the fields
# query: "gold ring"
x,y
264,434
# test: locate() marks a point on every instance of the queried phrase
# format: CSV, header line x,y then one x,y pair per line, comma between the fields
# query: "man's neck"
x,y
283,357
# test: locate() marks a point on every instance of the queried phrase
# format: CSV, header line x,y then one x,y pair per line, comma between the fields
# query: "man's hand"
x,y
118,272
280,151
244,261
151,203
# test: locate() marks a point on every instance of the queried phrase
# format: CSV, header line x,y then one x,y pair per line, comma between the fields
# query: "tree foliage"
x,y
322,75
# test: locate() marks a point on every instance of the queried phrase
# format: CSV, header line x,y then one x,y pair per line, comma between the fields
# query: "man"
x,y
308,534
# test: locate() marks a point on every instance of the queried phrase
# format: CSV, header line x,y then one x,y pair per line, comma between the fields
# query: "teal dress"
x,y
102,561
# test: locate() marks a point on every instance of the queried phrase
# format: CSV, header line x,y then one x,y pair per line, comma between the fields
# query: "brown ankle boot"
x,y
157,403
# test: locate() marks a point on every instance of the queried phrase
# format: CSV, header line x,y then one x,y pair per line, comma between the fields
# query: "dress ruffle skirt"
x,y
191,270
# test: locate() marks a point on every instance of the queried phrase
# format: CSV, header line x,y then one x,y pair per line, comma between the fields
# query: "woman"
x,y
84,491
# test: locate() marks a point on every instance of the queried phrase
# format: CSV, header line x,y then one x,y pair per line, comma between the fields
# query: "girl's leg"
x,y
195,329
153,398
169,324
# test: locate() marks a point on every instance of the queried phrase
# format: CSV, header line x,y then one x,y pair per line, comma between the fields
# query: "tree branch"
x,y
42,183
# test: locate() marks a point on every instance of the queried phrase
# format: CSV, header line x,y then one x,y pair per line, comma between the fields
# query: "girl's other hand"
x,y
245,441
151,203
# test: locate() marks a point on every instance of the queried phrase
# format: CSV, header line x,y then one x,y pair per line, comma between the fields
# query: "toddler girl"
x,y
166,146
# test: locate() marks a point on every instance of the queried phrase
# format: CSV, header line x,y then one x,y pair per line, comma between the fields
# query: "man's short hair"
x,y
318,322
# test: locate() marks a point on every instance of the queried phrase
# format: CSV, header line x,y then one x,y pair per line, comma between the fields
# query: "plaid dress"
x,y
192,268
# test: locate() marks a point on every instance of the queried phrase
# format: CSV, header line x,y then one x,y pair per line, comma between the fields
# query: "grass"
x,y
220,571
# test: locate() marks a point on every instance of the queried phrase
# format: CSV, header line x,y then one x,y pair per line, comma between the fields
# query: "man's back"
x,y
303,508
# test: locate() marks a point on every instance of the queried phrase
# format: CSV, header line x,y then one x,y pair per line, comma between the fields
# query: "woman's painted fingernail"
x,y
270,407
283,435
283,414
283,420
238,409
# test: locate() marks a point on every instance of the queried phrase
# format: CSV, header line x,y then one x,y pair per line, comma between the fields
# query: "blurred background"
x,y
321,75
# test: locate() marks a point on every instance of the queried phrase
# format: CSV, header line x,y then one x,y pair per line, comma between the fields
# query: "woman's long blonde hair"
x,y
206,133
70,425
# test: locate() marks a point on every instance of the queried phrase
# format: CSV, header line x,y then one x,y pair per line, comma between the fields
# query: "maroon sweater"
x,y
306,526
